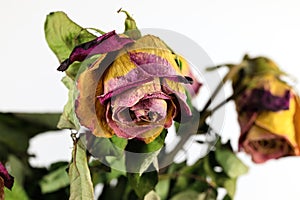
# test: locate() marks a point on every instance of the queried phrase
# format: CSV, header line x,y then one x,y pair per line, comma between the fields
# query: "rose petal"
x,y
89,111
260,99
106,43
171,87
149,66
280,123
133,95
186,71
7,178
297,122
263,145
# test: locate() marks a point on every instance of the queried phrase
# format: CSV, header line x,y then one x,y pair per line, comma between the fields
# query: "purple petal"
x,y
156,66
149,66
128,130
8,179
260,99
106,43
181,98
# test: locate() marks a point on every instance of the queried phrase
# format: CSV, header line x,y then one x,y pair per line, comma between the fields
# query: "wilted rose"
x,y
134,90
269,114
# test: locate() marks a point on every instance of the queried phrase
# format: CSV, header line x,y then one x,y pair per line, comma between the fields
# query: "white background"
x,y
226,30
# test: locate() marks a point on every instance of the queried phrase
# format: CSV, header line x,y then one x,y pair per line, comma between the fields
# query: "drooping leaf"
x,y
81,186
231,164
144,183
55,180
62,34
68,119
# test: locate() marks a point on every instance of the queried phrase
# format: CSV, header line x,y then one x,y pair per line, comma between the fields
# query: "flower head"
x,y
268,113
135,89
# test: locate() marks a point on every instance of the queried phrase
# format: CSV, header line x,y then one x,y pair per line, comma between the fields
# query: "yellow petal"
x,y
90,112
279,123
147,44
270,83
297,121
149,136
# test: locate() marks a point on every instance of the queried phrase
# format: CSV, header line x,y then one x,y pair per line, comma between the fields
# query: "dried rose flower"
x,y
268,114
134,90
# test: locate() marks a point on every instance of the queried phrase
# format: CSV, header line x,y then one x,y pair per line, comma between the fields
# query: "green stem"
x,y
169,158
233,70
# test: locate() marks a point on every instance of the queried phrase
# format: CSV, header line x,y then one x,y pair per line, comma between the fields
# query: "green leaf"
x,y
187,195
55,180
119,142
17,193
68,119
62,34
230,163
144,183
101,147
139,155
18,169
17,128
230,186
81,186
139,146
162,188
152,196
102,173
195,195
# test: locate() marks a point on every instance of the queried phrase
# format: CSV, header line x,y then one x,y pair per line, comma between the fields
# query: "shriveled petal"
x,y
151,110
132,96
7,178
297,122
89,111
187,71
263,145
106,43
260,99
148,67
127,107
265,92
131,130
280,123
171,87
246,121
123,64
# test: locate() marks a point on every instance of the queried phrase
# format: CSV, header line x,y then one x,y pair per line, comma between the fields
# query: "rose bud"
x,y
135,91
268,114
